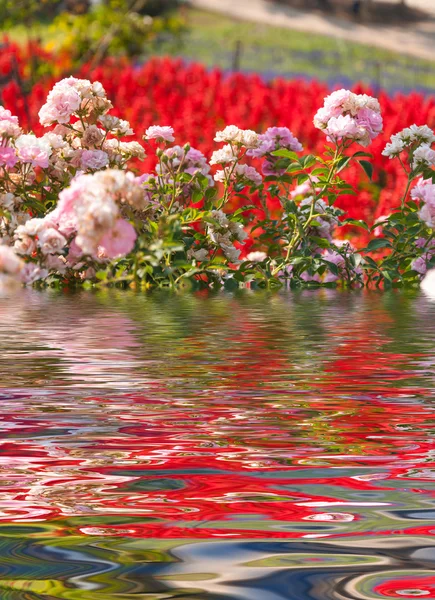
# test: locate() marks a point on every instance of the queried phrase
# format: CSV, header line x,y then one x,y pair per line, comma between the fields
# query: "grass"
x,y
212,39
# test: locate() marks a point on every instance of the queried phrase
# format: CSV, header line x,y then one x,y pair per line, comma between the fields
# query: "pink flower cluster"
x,y
34,151
8,157
424,191
91,208
9,127
241,174
15,147
275,138
186,160
72,145
346,116
175,164
88,221
14,271
420,264
84,140
73,96
223,233
238,137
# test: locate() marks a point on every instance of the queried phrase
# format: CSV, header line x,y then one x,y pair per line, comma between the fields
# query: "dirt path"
x,y
427,5
416,40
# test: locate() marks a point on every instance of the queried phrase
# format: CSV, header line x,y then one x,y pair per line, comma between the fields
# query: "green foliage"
x,y
117,27
194,247
26,12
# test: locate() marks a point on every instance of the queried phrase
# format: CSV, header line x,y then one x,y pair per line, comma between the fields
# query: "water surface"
x,y
222,447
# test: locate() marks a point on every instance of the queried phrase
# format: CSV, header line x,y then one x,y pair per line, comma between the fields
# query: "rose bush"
x,y
72,212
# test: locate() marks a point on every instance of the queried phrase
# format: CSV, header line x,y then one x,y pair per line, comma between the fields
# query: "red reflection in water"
x,y
271,444
408,587
177,471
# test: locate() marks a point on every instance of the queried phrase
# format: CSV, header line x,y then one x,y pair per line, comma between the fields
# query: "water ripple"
x,y
196,446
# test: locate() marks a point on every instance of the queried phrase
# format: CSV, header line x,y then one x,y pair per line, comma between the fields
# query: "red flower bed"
x,y
197,102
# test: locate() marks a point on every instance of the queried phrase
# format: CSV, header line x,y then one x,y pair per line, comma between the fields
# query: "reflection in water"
x,y
217,447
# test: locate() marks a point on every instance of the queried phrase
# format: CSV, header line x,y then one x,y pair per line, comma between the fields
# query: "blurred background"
x,y
383,43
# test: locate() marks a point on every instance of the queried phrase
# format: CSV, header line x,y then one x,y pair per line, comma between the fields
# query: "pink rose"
x,y
35,156
62,102
341,127
334,102
371,121
51,241
94,160
8,157
119,241
6,115
161,134
33,150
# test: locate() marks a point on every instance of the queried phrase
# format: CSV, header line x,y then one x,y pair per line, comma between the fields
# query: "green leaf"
x,y
190,273
283,153
367,168
211,193
321,242
242,209
414,229
308,161
387,275
332,267
343,162
294,168
361,154
356,223
290,207
302,178
356,258
319,171
275,283
239,276
411,275
284,179
377,245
